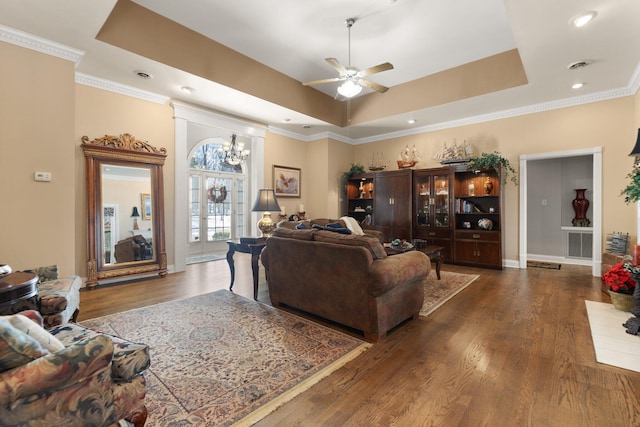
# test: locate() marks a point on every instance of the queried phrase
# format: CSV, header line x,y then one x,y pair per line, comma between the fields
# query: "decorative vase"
x,y
488,186
623,302
580,206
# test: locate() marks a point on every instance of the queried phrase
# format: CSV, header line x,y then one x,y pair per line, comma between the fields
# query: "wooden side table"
x,y
18,291
247,245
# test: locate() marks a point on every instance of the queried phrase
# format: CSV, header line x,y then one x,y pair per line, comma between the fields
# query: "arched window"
x,y
210,157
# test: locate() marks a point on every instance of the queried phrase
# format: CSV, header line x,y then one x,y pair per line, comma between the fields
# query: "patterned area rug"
x,y
437,292
219,358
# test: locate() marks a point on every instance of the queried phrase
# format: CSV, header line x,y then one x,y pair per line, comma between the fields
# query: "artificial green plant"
x,y
632,191
356,169
494,161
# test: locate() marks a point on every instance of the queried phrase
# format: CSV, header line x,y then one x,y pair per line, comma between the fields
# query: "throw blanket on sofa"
x,y
352,225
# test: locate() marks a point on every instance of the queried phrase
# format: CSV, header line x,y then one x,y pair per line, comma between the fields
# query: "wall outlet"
x,y
43,176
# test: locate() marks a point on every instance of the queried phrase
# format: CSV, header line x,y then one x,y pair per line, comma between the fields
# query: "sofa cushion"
x,y
371,243
129,358
16,347
55,294
299,234
49,272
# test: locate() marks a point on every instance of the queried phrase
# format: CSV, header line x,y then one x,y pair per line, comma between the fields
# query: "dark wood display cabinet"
x,y
393,204
433,208
478,220
360,199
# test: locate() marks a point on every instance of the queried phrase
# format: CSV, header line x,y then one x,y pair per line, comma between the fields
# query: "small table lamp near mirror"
x,y
266,203
120,171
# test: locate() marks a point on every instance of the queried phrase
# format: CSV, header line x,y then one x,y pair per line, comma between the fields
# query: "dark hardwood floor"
x,y
513,349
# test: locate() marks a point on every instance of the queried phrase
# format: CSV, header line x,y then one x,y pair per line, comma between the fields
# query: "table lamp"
x,y
135,216
266,203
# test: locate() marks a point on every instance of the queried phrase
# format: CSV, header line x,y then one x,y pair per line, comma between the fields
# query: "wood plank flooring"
x,y
513,349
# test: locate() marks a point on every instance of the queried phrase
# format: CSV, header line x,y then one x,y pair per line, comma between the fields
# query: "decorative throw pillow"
x,y
16,347
352,225
301,226
37,332
335,227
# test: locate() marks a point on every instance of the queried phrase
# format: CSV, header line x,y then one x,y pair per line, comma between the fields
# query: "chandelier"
x,y
234,152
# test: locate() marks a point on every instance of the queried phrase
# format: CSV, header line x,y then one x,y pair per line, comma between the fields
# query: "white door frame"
x,y
183,115
596,152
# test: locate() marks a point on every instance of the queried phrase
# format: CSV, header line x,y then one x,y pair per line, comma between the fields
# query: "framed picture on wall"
x,y
145,204
286,181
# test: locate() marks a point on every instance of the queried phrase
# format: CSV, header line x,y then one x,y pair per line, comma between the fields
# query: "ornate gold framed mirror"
x,y
125,201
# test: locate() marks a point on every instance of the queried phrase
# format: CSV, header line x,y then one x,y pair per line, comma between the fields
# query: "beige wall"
x,y
37,219
285,151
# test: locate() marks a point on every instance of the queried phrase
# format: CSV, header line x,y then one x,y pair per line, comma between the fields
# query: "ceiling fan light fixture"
x,y
349,89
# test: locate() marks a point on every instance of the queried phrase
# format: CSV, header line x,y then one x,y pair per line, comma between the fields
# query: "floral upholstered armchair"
x,y
72,376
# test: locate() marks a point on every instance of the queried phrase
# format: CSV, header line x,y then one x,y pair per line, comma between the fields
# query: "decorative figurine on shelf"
x,y
377,163
472,189
488,186
455,154
408,157
363,192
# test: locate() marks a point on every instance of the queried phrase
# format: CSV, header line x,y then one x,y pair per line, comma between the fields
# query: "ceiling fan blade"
x,y
317,82
337,65
378,68
374,86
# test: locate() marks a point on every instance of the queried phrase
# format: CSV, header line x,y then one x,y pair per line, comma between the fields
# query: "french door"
x,y
217,210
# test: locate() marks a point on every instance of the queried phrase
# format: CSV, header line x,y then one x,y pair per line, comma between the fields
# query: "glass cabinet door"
x,y
423,200
441,202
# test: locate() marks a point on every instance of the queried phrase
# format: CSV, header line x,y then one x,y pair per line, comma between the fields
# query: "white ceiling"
x,y
419,37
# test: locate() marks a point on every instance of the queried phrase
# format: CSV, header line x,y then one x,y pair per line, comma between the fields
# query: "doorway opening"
x,y
216,202
547,208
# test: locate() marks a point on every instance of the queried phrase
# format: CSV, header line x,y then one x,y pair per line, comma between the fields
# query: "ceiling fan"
x,y
352,77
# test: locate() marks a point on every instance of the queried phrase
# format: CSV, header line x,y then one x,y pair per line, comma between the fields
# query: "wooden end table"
x,y
18,291
247,245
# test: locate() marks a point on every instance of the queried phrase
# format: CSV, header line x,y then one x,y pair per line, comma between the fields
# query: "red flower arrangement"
x,y
619,279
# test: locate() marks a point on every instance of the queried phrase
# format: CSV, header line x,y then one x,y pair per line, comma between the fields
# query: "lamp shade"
x,y
135,213
636,148
266,201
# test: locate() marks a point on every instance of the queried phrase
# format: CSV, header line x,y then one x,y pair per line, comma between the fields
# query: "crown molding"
x,y
40,44
110,86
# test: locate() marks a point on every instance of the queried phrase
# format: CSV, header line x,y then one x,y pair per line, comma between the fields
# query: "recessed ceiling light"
x,y
411,121
143,74
577,85
584,19
187,89
286,120
306,126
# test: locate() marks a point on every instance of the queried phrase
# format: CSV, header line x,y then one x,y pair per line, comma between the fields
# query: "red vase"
x,y
580,206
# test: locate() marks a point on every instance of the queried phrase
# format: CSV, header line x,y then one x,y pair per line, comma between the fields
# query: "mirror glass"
x,y
127,220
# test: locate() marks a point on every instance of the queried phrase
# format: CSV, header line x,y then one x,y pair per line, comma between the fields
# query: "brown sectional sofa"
x,y
348,279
